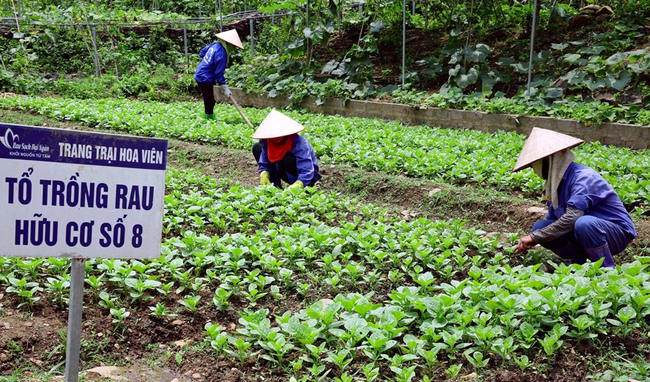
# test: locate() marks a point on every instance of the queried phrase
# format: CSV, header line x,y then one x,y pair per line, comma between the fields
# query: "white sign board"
x,y
66,193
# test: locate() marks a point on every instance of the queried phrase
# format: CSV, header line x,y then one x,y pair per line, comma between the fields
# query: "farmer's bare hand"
x,y
525,243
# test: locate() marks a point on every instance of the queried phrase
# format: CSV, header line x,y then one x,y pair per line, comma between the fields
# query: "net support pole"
x,y
220,18
308,40
95,54
532,45
187,56
251,23
403,43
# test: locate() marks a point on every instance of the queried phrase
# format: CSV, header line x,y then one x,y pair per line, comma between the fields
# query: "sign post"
x,y
80,195
74,320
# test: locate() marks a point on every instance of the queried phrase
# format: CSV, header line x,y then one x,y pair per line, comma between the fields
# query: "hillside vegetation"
x,y
590,62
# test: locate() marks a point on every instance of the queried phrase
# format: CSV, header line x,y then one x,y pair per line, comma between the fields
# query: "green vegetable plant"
x,y
221,297
191,303
25,290
119,316
217,338
552,341
624,321
278,347
238,348
476,358
160,311
59,287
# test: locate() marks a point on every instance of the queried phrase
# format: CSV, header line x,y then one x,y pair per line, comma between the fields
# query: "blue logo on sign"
x,y
9,139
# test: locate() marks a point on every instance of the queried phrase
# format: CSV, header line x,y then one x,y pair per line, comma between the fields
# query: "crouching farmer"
x,y
586,219
283,155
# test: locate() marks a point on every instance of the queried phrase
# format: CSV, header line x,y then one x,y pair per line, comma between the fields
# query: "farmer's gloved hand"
x,y
297,184
226,90
265,178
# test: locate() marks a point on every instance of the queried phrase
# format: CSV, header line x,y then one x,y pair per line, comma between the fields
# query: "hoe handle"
x,y
241,112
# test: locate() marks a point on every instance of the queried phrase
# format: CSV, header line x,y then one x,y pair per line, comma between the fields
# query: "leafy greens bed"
x,y
421,297
458,156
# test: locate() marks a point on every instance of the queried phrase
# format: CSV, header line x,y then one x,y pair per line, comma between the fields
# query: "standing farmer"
x,y
214,58
586,219
282,154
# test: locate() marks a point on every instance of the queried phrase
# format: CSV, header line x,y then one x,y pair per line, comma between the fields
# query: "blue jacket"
x,y
306,162
212,65
584,189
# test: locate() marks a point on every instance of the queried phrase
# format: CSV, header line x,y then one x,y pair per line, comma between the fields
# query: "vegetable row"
x,y
458,156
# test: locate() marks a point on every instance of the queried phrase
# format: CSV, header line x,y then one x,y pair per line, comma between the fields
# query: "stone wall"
x,y
617,134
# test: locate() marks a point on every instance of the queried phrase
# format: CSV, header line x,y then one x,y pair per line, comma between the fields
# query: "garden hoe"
x,y
241,112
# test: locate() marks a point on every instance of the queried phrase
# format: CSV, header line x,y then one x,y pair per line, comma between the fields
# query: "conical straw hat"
x,y
542,143
231,37
277,125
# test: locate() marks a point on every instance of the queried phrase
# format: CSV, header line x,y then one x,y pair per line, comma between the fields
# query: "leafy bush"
x,y
567,77
163,84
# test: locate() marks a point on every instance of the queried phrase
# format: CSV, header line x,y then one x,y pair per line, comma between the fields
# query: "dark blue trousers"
x,y
592,238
